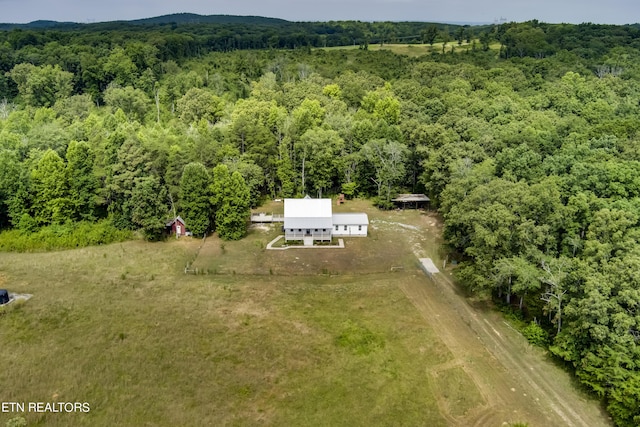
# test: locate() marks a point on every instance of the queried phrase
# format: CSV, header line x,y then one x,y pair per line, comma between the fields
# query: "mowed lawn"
x,y
389,246
123,328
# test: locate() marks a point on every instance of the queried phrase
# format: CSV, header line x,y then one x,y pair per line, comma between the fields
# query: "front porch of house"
x,y
308,235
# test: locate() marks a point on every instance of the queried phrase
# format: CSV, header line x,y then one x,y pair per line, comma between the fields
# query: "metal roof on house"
x,y
307,208
307,223
307,213
350,219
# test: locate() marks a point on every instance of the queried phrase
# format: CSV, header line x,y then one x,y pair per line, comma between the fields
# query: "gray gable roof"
x,y
308,223
350,219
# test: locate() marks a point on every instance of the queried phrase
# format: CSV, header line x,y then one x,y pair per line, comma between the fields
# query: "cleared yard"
x,y
386,247
329,337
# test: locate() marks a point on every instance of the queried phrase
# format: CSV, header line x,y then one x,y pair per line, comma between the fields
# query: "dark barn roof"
x,y
411,198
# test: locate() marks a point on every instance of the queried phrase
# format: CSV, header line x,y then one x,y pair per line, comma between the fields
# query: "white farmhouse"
x,y
311,220
307,220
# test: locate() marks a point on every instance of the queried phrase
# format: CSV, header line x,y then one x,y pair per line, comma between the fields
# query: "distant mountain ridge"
x,y
174,18
40,24
193,18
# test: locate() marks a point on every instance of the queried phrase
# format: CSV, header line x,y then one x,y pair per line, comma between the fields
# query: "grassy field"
x,y
297,337
123,328
416,50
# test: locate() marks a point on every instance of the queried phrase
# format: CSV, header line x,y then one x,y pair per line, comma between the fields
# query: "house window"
x,y
345,228
299,230
324,230
337,227
359,228
315,230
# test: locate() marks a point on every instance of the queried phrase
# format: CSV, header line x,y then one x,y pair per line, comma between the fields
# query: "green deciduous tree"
x,y
383,105
148,207
42,86
195,200
200,104
518,275
318,150
176,161
430,34
82,180
74,107
388,161
253,176
119,68
230,198
133,102
50,186
10,174
131,162
308,115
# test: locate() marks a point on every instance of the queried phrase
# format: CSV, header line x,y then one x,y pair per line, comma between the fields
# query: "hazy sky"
x,y
552,11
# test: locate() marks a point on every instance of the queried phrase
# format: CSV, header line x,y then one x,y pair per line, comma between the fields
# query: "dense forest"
x,y
527,141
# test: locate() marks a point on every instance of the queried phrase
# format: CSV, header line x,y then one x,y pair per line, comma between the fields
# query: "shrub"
x,y
62,236
535,334
382,203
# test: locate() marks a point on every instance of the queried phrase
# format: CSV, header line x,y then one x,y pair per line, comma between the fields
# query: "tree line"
x,y
140,48
532,156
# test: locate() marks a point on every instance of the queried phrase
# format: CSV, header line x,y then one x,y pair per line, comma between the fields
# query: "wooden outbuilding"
x,y
177,227
416,201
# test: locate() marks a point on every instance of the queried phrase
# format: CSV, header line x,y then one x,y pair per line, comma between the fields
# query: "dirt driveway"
x,y
517,381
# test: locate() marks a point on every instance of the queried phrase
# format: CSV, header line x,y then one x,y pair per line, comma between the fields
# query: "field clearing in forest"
x,y
416,50
334,338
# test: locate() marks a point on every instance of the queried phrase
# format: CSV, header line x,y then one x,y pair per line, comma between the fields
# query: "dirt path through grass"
x,y
516,381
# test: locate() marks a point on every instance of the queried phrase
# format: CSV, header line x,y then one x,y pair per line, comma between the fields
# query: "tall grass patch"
x,y
62,236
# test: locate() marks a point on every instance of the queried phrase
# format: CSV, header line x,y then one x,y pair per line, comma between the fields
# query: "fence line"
x,y
188,270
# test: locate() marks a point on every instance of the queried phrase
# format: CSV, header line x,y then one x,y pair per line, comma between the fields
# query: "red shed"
x,y
177,226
